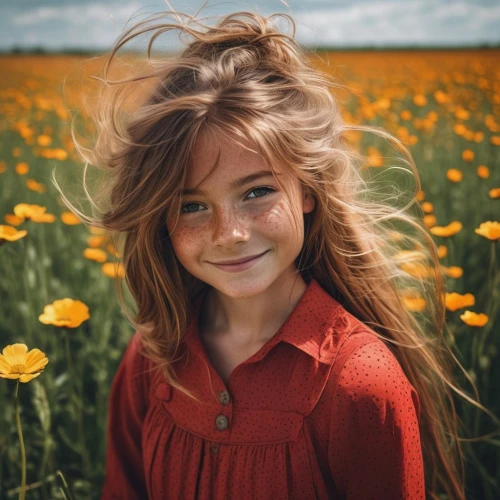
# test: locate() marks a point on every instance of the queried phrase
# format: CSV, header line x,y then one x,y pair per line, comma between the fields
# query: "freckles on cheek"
x,y
186,240
276,220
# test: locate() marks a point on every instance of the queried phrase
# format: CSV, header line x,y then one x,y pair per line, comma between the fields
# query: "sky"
x,y
95,24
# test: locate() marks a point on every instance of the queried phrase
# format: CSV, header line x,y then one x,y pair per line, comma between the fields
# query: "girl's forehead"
x,y
222,157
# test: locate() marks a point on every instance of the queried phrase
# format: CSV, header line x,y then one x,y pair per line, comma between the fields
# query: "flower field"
x,y
62,331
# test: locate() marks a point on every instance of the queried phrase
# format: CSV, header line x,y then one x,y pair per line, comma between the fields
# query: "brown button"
x,y
214,449
221,422
224,397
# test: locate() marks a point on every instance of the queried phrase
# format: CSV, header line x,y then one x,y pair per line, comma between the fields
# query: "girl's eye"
x,y
192,204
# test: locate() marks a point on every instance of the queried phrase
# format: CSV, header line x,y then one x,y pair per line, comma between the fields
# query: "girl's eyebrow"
x,y
235,184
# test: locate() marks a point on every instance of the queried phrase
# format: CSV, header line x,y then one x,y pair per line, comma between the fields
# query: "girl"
x,y
274,356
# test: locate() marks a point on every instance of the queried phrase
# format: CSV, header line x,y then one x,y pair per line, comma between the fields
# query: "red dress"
x,y
322,411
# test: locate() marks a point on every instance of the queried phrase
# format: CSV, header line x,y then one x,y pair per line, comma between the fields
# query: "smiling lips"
x,y
239,261
242,265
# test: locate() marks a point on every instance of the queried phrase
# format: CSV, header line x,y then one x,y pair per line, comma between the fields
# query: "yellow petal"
x,y
4,365
16,354
27,377
12,376
35,361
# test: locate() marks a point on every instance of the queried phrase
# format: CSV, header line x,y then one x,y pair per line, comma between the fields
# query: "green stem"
x,y
79,396
22,493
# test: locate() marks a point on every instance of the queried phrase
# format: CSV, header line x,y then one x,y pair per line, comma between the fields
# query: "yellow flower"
x,y
9,233
427,207
420,100
472,319
430,220
27,211
13,220
468,155
453,271
449,230
420,195
113,270
489,229
442,251
33,185
70,219
95,241
22,168
417,269
412,301
97,230
36,213
95,254
44,140
17,363
494,193
454,175
65,312
483,171
456,301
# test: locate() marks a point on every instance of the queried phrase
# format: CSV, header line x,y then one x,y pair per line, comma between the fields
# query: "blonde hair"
x,y
246,78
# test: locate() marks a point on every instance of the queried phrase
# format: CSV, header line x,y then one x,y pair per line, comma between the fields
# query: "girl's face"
x,y
230,221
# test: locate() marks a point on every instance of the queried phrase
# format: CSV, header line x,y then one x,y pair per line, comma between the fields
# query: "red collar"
x,y
316,326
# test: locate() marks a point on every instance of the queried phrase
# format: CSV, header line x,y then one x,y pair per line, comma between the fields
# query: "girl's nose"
x,y
229,229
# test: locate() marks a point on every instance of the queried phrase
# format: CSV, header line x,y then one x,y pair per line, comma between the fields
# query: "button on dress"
x,y
323,410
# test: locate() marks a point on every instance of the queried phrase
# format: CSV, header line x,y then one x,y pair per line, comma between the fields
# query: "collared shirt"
x,y
323,410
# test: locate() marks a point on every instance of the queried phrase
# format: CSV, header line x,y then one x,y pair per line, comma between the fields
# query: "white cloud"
x,y
356,23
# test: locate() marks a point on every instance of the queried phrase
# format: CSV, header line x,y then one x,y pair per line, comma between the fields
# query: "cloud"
x,y
97,24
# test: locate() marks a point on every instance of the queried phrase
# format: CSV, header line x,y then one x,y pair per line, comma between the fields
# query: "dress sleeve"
x,y
374,443
125,479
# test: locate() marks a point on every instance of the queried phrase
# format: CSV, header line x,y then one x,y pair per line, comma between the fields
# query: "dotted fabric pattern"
x,y
323,410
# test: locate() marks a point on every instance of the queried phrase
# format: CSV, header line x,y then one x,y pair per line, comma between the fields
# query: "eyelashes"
x,y
268,189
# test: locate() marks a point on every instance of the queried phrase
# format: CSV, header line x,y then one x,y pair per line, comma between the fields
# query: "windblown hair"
x,y
245,78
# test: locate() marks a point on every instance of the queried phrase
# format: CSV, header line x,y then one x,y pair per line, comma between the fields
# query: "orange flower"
x,y
445,231
420,100
468,155
113,270
420,195
33,185
22,168
413,302
454,175
96,241
483,171
453,271
44,140
494,193
95,254
456,301
495,140
70,219
472,319
66,312
9,233
428,207
442,251
13,220
36,213
430,220
489,229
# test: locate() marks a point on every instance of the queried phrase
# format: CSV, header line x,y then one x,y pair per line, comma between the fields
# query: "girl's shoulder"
x,y
367,370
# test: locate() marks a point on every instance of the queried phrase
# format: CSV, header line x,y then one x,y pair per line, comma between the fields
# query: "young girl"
x,y
274,356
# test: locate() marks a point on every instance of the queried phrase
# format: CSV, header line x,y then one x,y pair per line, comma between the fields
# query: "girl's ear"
x,y
308,201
